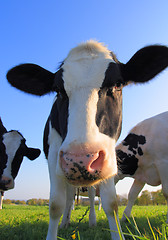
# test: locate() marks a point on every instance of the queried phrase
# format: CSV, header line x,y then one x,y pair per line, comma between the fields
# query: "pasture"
x,y
22,222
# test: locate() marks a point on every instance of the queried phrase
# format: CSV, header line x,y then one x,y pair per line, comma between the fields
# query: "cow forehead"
x,y
85,66
12,141
89,49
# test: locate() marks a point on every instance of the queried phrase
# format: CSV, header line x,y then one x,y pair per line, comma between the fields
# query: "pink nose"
x,y
82,169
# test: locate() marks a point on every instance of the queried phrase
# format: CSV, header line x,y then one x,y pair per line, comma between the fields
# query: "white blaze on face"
x,y
12,142
83,74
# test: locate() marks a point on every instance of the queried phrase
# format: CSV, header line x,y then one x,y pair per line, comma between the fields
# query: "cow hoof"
x,y
64,226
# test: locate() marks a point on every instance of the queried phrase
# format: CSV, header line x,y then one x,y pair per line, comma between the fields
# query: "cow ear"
x,y
32,153
2,128
31,78
145,64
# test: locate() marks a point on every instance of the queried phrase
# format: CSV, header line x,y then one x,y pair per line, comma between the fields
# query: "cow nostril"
x,y
98,162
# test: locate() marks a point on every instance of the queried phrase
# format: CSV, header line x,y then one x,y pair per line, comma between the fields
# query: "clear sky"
x,y
42,32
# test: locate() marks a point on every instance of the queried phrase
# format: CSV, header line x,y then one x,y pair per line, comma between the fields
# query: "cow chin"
x,y
93,180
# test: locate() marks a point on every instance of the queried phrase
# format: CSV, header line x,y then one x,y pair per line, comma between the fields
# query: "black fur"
x,y
127,162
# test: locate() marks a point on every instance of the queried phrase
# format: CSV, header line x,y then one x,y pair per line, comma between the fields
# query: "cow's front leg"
x,y
92,214
132,196
109,203
56,206
70,194
57,187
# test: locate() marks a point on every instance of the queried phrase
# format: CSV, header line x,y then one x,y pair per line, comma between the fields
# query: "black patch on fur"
x,y
59,113
18,158
133,141
109,106
3,156
126,163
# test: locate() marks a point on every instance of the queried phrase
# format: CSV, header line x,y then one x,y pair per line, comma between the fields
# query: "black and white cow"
x,y
12,150
143,155
86,118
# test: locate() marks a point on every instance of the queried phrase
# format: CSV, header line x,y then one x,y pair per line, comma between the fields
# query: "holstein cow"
x,y
86,117
12,150
143,155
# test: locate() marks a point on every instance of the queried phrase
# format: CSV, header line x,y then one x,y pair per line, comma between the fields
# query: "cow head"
x,y
87,112
12,150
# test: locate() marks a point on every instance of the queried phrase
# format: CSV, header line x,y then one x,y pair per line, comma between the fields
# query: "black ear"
x,y
32,153
31,78
2,128
145,64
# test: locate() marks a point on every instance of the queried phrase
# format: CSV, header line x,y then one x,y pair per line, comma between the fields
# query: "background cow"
x,y
86,118
12,150
143,155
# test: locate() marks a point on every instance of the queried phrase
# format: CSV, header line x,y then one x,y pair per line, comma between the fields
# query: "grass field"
x,y
31,222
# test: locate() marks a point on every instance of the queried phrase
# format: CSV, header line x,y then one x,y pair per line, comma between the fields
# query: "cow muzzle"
x,y
6,183
83,169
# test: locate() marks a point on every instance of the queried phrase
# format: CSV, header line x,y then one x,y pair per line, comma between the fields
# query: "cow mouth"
x,y
3,184
84,179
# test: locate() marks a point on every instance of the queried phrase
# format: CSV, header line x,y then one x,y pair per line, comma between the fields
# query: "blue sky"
x,y
43,32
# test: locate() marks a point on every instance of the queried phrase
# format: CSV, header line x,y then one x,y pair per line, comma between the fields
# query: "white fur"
x,y
12,142
109,204
57,185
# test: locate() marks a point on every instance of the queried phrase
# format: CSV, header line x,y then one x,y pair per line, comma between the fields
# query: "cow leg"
x,y
162,168
109,204
166,196
92,214
56,206
100,204
165,193
57,188
70,193
132,196
1,199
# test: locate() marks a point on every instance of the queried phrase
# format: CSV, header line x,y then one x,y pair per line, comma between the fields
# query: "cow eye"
x,y
118,86
100,93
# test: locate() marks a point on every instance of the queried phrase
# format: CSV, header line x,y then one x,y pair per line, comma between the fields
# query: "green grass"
x,y
31,222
